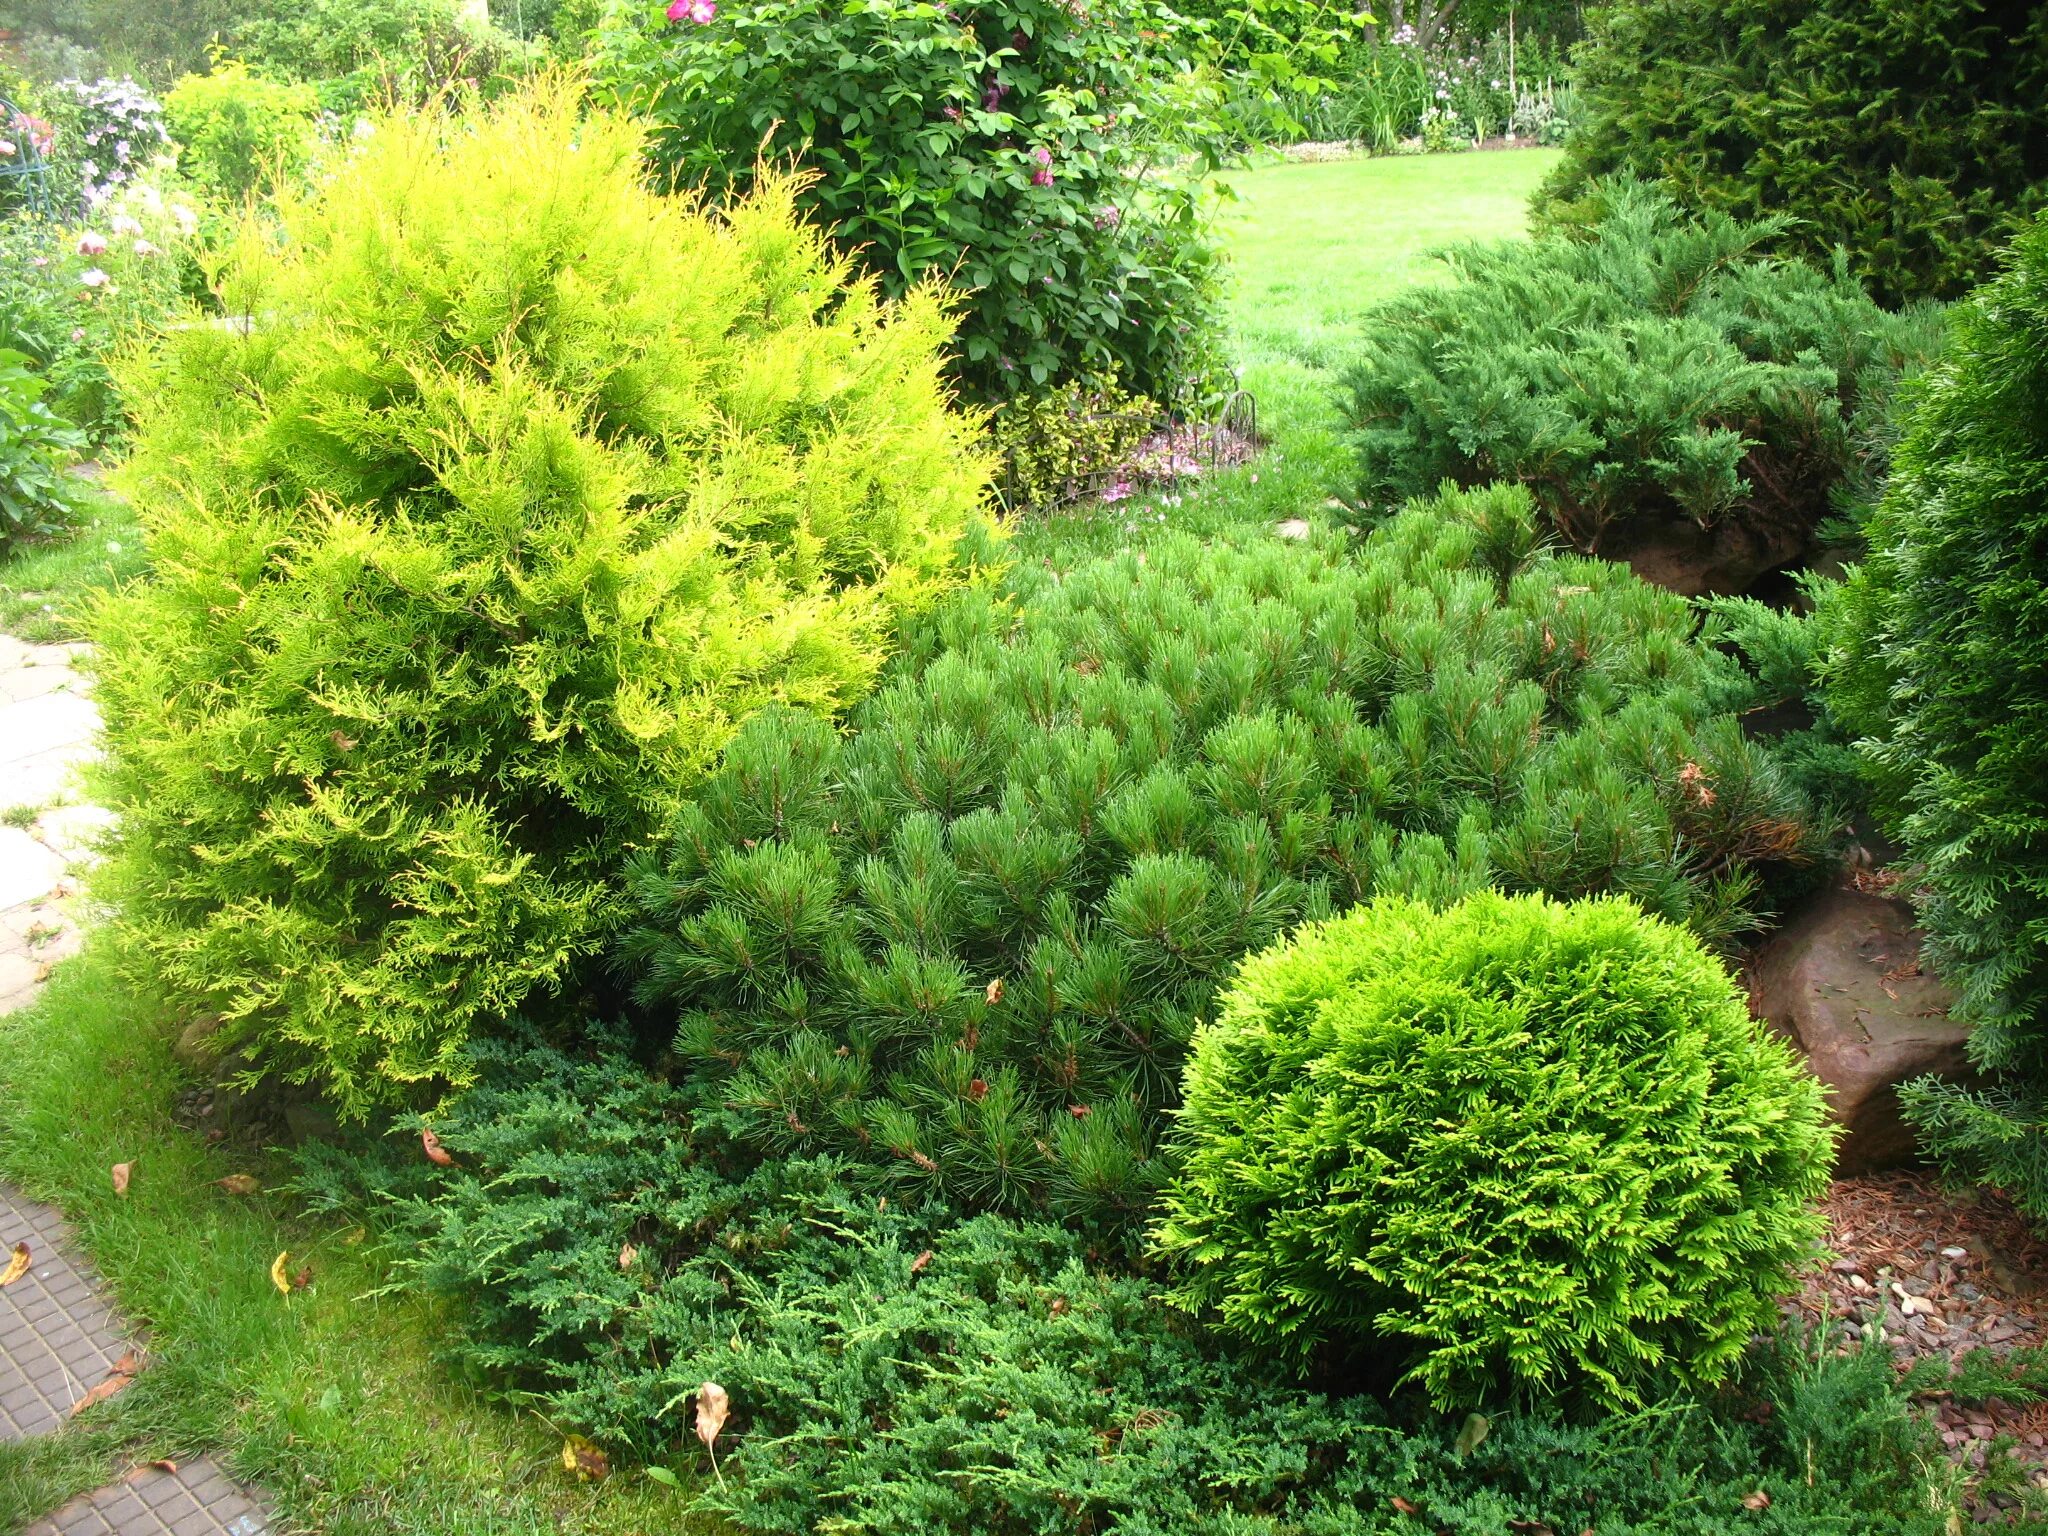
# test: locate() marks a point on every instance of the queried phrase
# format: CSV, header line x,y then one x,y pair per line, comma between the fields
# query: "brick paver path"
x,y
59,1334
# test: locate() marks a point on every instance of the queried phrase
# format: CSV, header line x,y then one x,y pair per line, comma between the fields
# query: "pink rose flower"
x,y
90,244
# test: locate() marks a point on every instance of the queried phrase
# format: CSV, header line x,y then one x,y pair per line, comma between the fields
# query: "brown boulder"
x,y
1843,981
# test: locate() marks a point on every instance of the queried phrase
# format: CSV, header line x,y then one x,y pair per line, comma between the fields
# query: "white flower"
x,y
122,224
144,248
93,277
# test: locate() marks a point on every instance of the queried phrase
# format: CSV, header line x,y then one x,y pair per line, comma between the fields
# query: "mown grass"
x,y
1314,246
331,1398
44,584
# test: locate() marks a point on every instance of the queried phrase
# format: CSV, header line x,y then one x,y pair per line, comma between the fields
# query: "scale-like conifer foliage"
x,y
971,941
514,489
1526,1145
1939,666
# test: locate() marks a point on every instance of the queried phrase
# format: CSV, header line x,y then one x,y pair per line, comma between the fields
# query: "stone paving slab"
x,y
59,1335
48,729
197,1499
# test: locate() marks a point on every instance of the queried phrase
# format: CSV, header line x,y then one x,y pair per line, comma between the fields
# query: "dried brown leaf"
x,y
713,1405
123,1373
240,1184
437,1154
995,992
918,1264
1403,1507
120,1173
1757,1500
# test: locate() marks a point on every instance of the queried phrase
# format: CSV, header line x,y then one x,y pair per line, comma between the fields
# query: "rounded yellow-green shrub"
x,y
507,492
1512,1145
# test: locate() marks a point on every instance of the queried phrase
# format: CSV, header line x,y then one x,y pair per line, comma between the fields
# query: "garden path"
x,y
62,1343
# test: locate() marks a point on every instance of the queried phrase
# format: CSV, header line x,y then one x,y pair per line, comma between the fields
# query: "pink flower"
x,y
699,11
90,244
950,114
1042,177
144,248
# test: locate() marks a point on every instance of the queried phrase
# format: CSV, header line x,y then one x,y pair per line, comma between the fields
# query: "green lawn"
x,y
1314,246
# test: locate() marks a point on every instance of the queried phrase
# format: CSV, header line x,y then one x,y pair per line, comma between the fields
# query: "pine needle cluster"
x,y
969,943
511,492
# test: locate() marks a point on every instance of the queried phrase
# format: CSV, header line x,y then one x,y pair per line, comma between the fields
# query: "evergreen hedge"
x,y
1911,134
513,492
1651,380
1529,1147
1938,665
968,944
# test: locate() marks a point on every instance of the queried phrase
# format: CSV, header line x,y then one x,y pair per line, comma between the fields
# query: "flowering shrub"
x,y
106,133
1008,146
522,488
72,294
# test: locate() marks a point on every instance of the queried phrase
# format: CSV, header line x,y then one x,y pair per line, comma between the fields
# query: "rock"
x,y
1677,554
306,1121
1842,980
196,1049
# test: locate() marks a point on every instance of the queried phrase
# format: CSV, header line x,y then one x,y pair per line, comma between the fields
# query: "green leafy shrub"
x,y
1528,1146
1654,382
73,296
1912,135
969,943
1012,147
237,131
36,446
1069,441
521,489
360,54
1938,665
894,1370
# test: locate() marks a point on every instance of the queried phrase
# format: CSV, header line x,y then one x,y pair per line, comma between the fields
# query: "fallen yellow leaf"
x,y
16,1266
278,1277
585,1460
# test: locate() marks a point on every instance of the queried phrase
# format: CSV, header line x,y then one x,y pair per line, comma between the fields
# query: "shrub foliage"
x,y
1531,1146
520,488
1910,134
969,943
1016,148
893,1369
1939,664
1656,374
